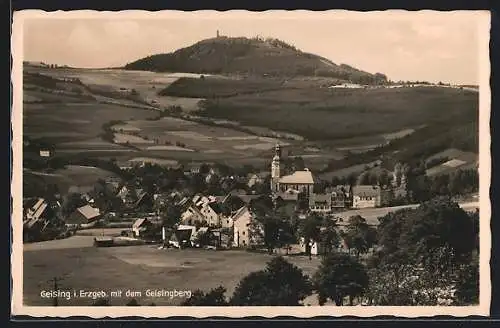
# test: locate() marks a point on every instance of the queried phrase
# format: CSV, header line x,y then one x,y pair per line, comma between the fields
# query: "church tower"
x,y
276,168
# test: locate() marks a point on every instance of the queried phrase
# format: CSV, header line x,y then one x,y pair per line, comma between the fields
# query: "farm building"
x,y
366,196
321,203
84,216
141,227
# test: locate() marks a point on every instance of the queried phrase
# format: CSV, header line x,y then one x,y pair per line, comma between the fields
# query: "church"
x,y
298,181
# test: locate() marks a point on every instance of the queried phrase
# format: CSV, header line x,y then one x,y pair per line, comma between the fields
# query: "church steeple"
x,y
276,168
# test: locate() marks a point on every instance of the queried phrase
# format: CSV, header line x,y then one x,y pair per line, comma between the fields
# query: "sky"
x,y
428,46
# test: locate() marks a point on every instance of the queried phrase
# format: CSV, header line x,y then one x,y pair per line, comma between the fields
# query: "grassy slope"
x,y
319,113
63,178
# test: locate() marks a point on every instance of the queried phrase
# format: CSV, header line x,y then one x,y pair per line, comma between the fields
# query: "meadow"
x,y
138,268
69,177
326,114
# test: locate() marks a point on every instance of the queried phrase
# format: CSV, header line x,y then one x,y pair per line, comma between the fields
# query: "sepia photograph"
x,y
251,163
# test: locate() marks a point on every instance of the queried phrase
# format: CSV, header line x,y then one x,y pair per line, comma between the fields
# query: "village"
x,y
180,219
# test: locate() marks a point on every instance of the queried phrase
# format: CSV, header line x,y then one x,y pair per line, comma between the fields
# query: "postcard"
x,y
236,164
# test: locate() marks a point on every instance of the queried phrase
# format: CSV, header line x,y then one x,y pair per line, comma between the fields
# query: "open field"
x,y
237,128
320,113
111,81
69,122
203,142
139,268
452,160
71,176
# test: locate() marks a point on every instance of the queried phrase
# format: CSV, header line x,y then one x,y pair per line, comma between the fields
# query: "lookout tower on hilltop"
x,y
218,35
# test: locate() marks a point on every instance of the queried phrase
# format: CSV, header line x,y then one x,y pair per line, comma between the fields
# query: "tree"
x,y
232,203
423,250
359,235
310,231
286,233
279,284
329,235
435,226
407,285
339,276
214,297
170,215
71,202
383,178
133,302
467,288
101,302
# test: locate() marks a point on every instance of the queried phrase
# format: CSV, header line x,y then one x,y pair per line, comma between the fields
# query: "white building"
x,y
243,233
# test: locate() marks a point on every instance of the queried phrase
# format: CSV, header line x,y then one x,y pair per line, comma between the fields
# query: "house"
x,y
183,202
211,177
366,196
341,197
84,216
194,168
36,218
45,153
160,200
191,215
320,203
141,227
144,200
123,193
182,236
256,179
244,234
212,213
289,195
242,195
203,209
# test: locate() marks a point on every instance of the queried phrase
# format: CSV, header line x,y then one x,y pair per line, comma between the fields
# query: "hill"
x,y
326,114
256,56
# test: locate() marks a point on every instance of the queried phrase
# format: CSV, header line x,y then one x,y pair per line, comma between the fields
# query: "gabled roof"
x,y
320,198
89,212
366,191
244,197
141,198
139,222
298,177
289,195
240,212
36,211
215,207
183,201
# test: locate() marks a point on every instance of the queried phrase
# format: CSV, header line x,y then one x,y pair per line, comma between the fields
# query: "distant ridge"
x,y
255,56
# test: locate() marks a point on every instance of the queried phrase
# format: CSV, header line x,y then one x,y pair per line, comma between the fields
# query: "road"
x,y
372,214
